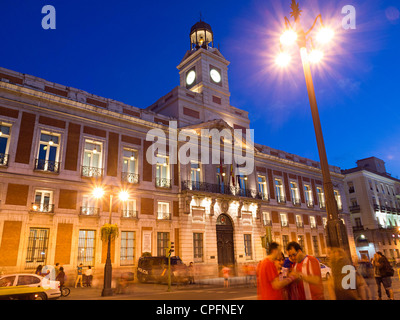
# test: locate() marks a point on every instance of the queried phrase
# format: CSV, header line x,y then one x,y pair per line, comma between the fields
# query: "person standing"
x,y
269,284
308,270
383,273
39,270
61,277
366,270
191,273
57,268
225,273
79,275
89,276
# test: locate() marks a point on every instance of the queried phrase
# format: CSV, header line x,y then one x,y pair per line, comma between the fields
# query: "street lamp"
x,y
336,231
123,195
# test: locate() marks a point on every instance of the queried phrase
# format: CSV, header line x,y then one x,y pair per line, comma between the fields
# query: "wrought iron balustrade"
x,y
163,183
92,172
163,216
3,159
130,177
133,214
90,211
42,207
47,165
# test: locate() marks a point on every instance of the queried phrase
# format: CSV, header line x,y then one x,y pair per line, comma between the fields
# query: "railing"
x,y
280,199
354,208
133,214
358,228
3,159
267,223
284,223
351,190
42,207
300,224
296,202
322,206
92,172
163,216
313,226
376,207
310,204
47,165
383,208
89,211
163,183
130,177
222,189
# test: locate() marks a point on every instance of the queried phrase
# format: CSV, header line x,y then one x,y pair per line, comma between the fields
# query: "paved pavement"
x,y
214,290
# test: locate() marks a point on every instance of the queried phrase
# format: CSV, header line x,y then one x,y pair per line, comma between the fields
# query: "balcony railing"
x,y
47,165
280,199
222,189
92,172
3,159
267,223
163,216
163,183
89,211
322,206
310,204
132,214
376,207
296,202
42,207
313,226
358,228
354,208
383,208
284,223
300,224
130,177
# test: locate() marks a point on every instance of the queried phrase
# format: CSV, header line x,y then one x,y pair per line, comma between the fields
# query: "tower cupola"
x,y
201,36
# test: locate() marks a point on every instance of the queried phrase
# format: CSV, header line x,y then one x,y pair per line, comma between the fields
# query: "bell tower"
x,y
204,69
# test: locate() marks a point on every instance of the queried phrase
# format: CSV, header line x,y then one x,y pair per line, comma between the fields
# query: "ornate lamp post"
x,y
336,231
123,196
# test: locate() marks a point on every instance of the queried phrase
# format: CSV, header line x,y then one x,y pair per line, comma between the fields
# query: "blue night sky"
x,y
129,50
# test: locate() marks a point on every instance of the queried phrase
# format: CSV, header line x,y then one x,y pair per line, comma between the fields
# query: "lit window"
x,y
5,132
48,153
43,201
130,166
92,159
128,243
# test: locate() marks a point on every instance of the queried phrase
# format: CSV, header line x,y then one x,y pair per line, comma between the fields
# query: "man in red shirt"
x,y
309,271
269,284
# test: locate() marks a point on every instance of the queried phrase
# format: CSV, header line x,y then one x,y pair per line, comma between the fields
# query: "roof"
x,y
200,25
357,169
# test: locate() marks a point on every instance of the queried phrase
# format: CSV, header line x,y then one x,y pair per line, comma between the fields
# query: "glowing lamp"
x,y
315,56
325,35
283,59
289,37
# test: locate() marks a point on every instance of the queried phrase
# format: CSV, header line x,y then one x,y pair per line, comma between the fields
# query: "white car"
x,y
29,286
326,272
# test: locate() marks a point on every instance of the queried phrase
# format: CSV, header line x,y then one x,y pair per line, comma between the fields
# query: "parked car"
x,y
156,269
326,272
28,287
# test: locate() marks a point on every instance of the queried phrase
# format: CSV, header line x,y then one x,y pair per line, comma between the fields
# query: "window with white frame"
x,y
48,152
313,224
5,133
162,243
129,209
128,244
338,199
38,241
86,247
221,178
284,220
280,196
89,205
163,172
163,211
266,219
308,195
195,172
321,197
262,186
130,166
247,247
43,201
92,159
299,221
294,190
198,247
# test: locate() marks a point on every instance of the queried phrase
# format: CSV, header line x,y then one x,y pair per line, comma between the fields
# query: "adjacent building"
x,y
58,143
373,197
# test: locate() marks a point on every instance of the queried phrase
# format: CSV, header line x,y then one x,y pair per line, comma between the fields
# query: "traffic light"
x,y
171,248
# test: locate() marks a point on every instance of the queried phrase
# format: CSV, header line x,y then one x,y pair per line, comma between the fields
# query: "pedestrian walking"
x,y
57,268
383,273
269,284
308,270
366,270
191,273
79,272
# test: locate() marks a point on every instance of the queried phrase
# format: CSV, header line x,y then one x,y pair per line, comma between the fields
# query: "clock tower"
x,y
204,69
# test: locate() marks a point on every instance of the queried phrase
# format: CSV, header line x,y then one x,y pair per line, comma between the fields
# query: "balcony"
x,y
285,224
130,177
163,183
92,172
299,224
313,226
322,206
296,202
280,199
222,189
89,211
383,208
3,159
310,204
354,208
358,228
267,223
163,216
131,214
42,207
376,207
47,166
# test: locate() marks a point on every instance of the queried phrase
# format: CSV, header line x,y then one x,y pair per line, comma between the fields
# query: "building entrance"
x,y
225,241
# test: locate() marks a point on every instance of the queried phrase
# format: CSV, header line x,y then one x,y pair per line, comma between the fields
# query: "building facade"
x,y
58,143
374,202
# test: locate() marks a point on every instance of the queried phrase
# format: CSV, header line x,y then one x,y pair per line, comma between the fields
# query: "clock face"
x,y
215,75
190,77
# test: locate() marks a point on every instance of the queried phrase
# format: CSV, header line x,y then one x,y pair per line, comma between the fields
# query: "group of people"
x,y
57,273
298,277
